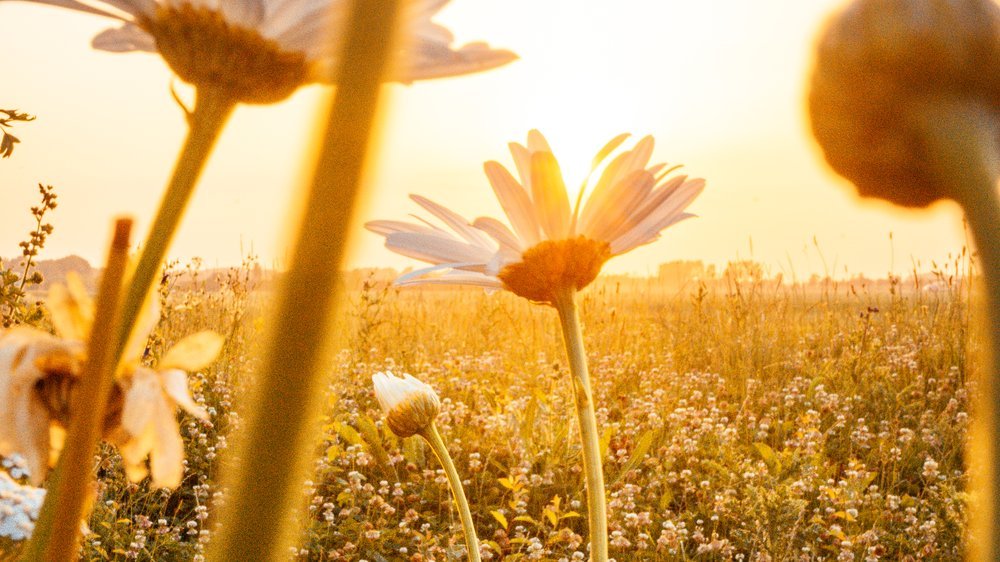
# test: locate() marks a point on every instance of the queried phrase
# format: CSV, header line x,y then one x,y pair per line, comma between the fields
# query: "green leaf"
x,y
500,518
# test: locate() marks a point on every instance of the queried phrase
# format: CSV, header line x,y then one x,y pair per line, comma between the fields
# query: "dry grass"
x,y
749,421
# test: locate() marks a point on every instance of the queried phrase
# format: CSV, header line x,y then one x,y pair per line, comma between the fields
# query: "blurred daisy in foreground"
x,y
552,249
411,406
260,51
38,377
551,244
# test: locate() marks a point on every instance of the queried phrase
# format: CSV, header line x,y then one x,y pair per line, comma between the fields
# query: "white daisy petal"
x,y
461,226
515,202
139,399
499,231
128,37
549,194
176,387
166,460
243,13
623,200
435,249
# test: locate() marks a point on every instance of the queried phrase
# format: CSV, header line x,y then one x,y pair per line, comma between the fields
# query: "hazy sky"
x,y
719,83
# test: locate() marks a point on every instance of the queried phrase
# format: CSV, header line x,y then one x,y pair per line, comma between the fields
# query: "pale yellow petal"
x,y
149,317
194,352
176,387
140,401
549,194
71,309
166,460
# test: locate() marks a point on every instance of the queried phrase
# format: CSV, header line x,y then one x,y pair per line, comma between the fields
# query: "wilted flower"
x,y
551,245
260,51
410,405
880,65
35,368
38,376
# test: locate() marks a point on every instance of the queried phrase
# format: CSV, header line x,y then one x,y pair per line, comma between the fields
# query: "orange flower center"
x,y
552,265
204,50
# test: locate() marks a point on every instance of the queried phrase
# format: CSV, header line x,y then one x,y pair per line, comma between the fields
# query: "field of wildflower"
x,y
740,420
505,401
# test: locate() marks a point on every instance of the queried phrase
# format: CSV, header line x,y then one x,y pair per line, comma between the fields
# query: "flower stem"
x,y
962,138
56,536
276,446
211,111
437,443
565,304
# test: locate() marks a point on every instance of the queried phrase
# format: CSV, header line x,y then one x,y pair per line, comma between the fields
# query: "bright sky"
x,y
719,83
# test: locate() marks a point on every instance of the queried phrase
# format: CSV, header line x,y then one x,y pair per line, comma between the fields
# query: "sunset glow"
x,y
720,84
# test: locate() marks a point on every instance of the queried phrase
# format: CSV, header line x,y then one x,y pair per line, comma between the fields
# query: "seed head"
x,y
880,64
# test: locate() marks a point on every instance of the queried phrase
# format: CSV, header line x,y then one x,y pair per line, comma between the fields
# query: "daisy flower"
x,y
410,407
552,249
33,365
260,51
38,376
550,243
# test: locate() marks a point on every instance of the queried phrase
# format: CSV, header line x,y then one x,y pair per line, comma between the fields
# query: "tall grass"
x,y
749,420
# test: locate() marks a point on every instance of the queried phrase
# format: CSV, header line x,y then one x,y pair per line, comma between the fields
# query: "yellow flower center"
x,y
204,50
552,265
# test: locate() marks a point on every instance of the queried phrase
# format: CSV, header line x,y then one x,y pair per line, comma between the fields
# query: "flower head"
x,y
38,376
35,373
550,245
879,64
260,51
410,405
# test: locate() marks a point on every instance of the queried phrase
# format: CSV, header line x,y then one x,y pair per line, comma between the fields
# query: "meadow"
x,y
740,420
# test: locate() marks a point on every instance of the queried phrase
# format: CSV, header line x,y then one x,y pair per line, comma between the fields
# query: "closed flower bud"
x,y
880,65
410,405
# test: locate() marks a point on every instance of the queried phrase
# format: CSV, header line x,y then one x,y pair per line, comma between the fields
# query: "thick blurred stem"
x,y
565,304
437,443
277,444
57,534
963,138
211,111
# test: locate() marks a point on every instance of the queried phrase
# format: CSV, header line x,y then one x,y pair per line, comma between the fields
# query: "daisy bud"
x,y
880,66
410,405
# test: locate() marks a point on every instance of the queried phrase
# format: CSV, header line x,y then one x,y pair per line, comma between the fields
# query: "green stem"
x,y
56,536
211,111
471,540
565,304
962,138
277,444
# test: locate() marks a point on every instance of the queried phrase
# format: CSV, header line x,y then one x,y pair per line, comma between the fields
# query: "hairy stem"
x,y
433,437
565,304
211,111
962,137
57,534
277,443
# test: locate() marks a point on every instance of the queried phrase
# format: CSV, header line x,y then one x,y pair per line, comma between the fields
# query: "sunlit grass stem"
x,y
433,437
962,138
565,304
57,533
276,444
212,109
